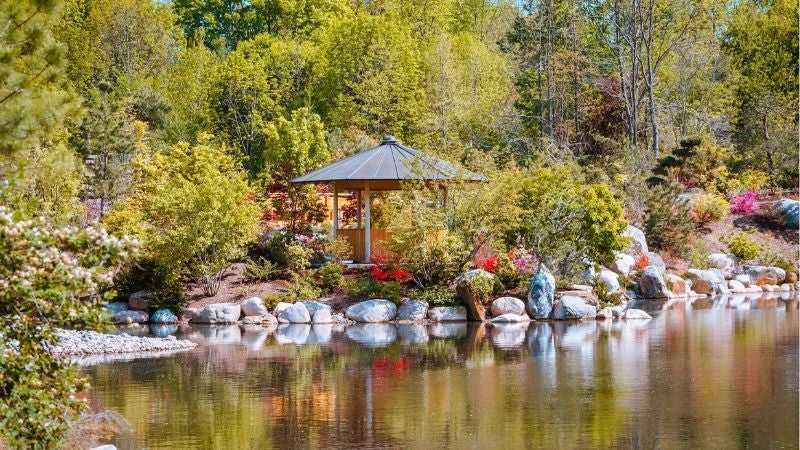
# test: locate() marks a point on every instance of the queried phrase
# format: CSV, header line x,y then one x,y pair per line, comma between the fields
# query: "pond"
x,y
719,377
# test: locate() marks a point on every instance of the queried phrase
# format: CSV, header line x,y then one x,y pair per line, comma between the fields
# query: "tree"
x,y
49,278
191,208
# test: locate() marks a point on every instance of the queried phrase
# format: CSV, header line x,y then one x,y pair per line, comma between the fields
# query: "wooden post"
x,y
335,211
367,223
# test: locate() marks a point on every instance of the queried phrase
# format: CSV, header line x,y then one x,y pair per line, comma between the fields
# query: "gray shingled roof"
x,y
390,160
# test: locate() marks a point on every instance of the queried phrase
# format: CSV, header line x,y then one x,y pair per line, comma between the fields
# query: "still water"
x,y
716,377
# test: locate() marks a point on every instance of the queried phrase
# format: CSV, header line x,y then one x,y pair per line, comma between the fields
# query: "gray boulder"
x,y
139,300
764,275
322,315
314,305
573,308
722,262
541,294
218,313
623,263
447,313
296,313
375,310
610,280
412,309
638,242
654,259
788,211
507,305
130,316
710,281
163,315
116,307
651,283
281,306
254,306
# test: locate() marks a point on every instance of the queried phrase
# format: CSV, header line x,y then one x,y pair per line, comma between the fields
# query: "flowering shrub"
x,y
642,262
49,278
488,264
709,208
389,273
745,203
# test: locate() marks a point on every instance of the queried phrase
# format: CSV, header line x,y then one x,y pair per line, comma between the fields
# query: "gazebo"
x,y
382,168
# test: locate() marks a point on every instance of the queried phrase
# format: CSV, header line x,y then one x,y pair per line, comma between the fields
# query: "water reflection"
x,y
718,377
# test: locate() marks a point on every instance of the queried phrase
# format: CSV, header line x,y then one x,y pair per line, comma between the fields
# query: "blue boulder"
x,y
789,210
116,307
541,294
163,315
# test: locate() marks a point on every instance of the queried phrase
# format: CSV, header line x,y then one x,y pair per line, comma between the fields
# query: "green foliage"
x,y
330,276
192,209
298,290
49,278
698,256
367,288
604,297
481,287
707,208
260,269
436,296
743,247
668,223
297,257
339,249
507,273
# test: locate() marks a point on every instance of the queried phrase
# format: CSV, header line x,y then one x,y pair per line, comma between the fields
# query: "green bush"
x,y
436,296
743,247
339,249
298,290
604,297
288,253
260,269
507,274
192,210
297,257
698,256
482,287
330,276
788,267
668,223
163,285
367,288
708,208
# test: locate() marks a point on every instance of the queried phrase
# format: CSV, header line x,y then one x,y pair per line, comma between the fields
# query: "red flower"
x,y
489,264
642,261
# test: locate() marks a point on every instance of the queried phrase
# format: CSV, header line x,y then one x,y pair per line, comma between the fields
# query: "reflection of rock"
x,y
540,339
163,330
575,335
412,333
507,335
295,333
320,333
412,310
220,334
507,305
511,318
375,310
447,313
448,330
634,314
372,334
254,337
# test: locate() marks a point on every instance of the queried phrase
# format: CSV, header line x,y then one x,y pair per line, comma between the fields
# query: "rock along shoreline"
x,y
86,342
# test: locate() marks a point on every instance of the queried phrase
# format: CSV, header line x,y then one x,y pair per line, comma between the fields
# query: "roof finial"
x,y
388,139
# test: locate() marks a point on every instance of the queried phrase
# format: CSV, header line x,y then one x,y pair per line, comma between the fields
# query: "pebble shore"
x,y
93,343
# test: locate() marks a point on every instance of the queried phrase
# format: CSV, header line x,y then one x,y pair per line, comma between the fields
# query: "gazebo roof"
x,y
388,163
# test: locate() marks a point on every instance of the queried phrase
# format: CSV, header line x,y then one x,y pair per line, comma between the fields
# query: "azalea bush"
x,y
745,203
49,278
192,209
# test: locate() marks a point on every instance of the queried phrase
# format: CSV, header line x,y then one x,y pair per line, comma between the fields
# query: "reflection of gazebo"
x,y
382,168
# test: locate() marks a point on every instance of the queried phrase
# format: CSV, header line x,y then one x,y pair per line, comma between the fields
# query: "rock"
x,y
86,342
638,244
722,262
743,278
623,263
314,305
296,313
605,313
541,294
677,285
632,314
447,313
736,286
372,335
375,310
116,307
163,315
467,288
610,280
322,315
580,287
572,308
511,318
412,310
788,211
218,313
254,306
654,259
130,316
267,320
651,283
139,300
710,281
618,311
507,305
763,275
280,307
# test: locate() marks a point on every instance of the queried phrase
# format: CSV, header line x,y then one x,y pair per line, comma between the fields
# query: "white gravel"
x,y
94,343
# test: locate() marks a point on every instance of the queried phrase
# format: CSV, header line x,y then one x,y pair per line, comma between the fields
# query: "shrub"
x,y
482,287
604,297
366,288
745,203
260,269
743,247
298,290
191,208
708,208
668,224
749,180
163,285
436,296
330,276
339,249
297,257
49,278
698,256
788,267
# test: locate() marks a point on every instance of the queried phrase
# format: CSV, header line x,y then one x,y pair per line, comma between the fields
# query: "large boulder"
x,y
218,313
651,284
677,285
163,316
789,212
638,242
447,313
412,309
115,307
568,307
623,263
254,306
507,305
322,315
541,294
655,260
314,306
129,316
764,275
375,310
722,262
710,281
139,300
610,280
295,313
472,287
